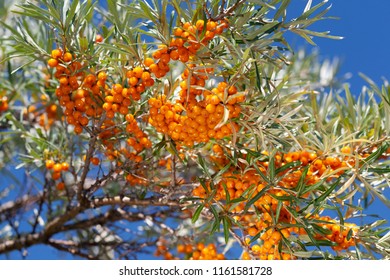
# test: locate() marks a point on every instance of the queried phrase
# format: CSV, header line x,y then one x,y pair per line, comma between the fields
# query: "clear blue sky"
x,y
365,48
365,26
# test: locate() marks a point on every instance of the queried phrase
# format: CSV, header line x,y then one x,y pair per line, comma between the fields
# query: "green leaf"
x,y
375,155
15,122
217,221
320,229
271,167
287,166
265,178
71,13
309,12
222,171
374,191
304,36
378,170
326,194
227,193
203,165
197,213
256,198
226,227
278,208
256,237
301,183
282,9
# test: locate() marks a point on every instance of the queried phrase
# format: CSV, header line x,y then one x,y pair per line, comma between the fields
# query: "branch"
x,y
21,242
125,200
11,207
58,224
70,247
91,149
111,216
228,12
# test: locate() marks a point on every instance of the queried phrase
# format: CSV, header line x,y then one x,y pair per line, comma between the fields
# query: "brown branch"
x,y
91,149
110,216
70,247
55,225
23,202
124,200
228,12
243,245
22,242
58,224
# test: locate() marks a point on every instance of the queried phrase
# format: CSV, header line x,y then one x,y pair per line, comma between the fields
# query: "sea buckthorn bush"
x,y
185,130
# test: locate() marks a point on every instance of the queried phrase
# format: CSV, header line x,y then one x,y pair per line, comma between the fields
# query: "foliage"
x,y
184,129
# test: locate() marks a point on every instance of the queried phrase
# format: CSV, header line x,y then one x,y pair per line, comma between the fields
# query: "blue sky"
x,y
365,26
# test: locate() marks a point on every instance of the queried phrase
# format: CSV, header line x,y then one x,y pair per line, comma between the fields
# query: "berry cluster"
x,y
86,96
46,114
3,104
198,114
269,250
344,235
78,92
235,185
200,252
57,168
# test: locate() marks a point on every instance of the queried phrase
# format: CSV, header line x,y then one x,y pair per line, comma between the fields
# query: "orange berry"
x,y
295,156
56,175
346,150
184,58
232,90
83,120
148,61
157,54
178,31
117,88
211,25
99,38
199,24
214,100
52,62
210,108
123,110
129,118
252,231
49,164
145,76
60,186
138,72
57,167
165,58
318,164
181,248
67,57
63,80
102,76
174,55
78,129
133,81
95,161
154,68
56,54
64,166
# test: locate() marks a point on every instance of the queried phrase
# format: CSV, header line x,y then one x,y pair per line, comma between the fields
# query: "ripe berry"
x,y
49,164
57,167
